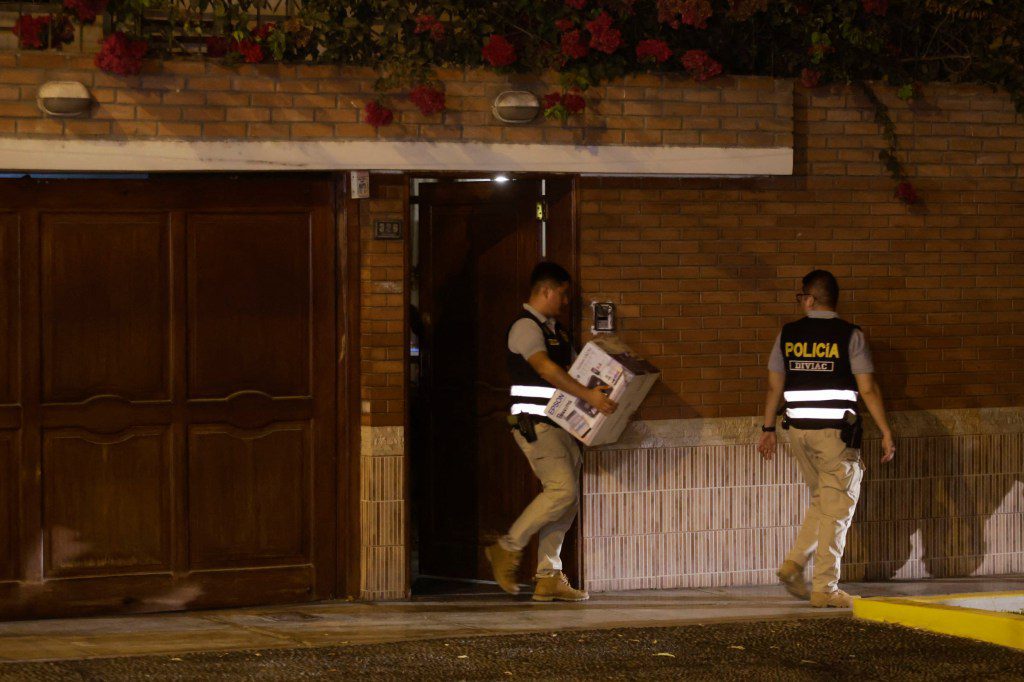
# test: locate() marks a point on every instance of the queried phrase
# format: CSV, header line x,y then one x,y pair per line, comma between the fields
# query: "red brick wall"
x,y
704,271
383,305
208,100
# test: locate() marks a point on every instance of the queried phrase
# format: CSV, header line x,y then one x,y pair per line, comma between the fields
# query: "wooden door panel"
x,y
8,505
89,531
167,393
10,284
105,300
248,495
249,304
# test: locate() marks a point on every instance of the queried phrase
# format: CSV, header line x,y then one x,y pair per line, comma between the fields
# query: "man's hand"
x,y
888,447
766,446
599,401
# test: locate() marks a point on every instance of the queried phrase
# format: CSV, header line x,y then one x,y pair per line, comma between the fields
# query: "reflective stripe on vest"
x,y
814,396
532,392
830,413
528,408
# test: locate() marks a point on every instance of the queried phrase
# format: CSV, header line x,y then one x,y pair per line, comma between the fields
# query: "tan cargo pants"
x,y
556,460
833,472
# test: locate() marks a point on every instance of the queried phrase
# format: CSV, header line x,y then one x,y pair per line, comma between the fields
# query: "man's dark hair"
x,y
548,273
823,286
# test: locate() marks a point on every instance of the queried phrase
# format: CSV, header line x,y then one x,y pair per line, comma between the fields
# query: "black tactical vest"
x,y
528,391
820,387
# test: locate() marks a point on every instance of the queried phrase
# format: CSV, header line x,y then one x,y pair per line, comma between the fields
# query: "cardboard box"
x,y
607,361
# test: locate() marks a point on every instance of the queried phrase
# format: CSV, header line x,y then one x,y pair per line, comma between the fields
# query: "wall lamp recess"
x,y
516,106
63,98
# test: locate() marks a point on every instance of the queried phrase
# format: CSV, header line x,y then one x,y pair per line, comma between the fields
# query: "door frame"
x,y
567,208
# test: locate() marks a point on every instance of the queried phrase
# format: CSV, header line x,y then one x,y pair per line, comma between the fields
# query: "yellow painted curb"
x,y
926,613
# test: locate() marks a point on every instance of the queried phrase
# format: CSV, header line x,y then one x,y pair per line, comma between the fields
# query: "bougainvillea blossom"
x,y
86,11
39,32
499,51
428,99
378,115
573,45
696,13
251,51
576,4
574,102
700,65
653,51
603,36
121,55
809,78
428,23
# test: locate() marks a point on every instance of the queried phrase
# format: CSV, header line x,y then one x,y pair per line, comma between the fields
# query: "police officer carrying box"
x,y
819,366
539,355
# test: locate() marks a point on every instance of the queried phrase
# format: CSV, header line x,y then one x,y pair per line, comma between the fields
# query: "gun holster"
x,y
524,424
852,431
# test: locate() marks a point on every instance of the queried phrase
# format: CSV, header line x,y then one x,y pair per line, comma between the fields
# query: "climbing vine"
x,y
900,43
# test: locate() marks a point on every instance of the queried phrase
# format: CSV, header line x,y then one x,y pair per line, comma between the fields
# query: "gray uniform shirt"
x,y
860,354
526,339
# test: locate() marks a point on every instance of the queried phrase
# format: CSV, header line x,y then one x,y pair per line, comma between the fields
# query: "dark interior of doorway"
x,y
473,243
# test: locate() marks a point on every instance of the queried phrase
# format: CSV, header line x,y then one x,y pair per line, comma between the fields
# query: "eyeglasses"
x,y
801,297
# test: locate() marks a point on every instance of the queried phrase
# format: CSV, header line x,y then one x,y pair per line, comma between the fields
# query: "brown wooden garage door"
x,y
167,393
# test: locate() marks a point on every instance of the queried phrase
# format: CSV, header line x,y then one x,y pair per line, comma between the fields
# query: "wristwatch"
x,y
767,429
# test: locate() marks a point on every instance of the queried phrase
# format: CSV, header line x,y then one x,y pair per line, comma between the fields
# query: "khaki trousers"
x,y
833,472
556,460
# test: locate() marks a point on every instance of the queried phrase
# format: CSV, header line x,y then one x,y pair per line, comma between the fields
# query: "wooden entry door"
x,y
478,244
167,393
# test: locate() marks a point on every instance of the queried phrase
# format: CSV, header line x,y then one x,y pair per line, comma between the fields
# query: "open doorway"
x,y
474,243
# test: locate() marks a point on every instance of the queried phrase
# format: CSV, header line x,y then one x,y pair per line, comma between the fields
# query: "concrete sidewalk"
x,y
489,613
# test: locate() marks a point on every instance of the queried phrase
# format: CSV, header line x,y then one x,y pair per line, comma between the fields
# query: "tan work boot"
x,y
557,588
791,575
504,565
837,599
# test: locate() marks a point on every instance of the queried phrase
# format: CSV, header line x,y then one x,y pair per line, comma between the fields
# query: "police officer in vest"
x,y
819,366
539,353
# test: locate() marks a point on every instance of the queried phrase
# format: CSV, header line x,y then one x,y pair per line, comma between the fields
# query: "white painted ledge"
x,y
46,155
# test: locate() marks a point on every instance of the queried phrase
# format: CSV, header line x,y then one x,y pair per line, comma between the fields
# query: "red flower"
x,y
574,103
572,45
430,100
695,13
38,32
378,115
603,37
428,23
217,46
576,4
31,31
653,51
564,24
552,99
700,65
250,50
263,30
877,7
86,11
499,51
809,78
906,193
121,55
